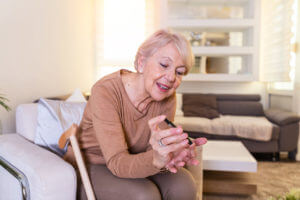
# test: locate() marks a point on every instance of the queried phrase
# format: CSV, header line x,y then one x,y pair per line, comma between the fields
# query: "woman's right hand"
x,y
172,139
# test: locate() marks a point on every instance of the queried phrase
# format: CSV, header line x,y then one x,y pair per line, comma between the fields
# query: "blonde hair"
x,y
160,39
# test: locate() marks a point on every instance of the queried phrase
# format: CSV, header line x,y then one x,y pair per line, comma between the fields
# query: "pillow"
x,y
200,105
77,96
54,118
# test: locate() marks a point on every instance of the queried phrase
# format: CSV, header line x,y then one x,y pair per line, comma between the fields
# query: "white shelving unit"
x,y
206,18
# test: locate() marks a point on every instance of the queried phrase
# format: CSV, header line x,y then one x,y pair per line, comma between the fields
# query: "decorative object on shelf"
x,y
5,106
195,38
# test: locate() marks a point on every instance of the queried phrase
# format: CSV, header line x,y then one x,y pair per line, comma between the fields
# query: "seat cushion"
x,y
255,128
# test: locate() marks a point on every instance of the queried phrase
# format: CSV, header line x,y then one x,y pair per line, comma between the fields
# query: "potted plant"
x,y
5,106
293,194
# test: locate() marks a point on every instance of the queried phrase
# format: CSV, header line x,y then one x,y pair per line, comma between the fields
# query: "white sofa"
x,y
28,171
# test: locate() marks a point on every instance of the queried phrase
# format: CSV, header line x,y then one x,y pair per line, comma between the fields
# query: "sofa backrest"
x,y
26,120
228,104
239,104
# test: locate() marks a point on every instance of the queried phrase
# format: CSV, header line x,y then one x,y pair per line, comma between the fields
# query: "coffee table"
x,y
228,168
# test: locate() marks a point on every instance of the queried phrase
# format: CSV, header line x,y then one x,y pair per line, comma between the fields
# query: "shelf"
x,y
223,51
241,22
211,24
219,77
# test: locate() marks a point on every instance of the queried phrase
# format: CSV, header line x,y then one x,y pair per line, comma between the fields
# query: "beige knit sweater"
x,y
115,133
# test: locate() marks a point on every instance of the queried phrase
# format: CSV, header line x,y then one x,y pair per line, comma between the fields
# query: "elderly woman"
x,y
130,152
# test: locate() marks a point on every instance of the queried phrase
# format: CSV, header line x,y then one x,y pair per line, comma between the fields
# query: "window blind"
x,y
276,35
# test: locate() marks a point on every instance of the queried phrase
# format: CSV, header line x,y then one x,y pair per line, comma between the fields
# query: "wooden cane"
x,y
70,134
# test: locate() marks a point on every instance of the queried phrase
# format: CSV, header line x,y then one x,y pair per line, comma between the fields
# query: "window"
x,y
279,25
121,26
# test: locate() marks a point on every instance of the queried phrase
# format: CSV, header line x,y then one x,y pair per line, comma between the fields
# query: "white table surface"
x,y
228,156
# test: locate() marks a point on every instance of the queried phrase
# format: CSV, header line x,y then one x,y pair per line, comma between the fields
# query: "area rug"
x,y
272,178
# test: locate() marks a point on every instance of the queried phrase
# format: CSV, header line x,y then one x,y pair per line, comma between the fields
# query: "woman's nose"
x,y
171,76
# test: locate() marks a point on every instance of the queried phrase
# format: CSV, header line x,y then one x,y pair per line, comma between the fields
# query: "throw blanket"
x,y
256,128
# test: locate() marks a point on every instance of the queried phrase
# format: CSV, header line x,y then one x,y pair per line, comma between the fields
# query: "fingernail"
x,y
184,142
179,130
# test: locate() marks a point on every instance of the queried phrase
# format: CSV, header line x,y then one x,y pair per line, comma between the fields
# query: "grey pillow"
x,y
55,117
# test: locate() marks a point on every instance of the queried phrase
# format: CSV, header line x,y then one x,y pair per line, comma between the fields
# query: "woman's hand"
x,y
185,156
165,142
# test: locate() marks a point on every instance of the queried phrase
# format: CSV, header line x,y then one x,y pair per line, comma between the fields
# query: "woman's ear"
x,y
141,64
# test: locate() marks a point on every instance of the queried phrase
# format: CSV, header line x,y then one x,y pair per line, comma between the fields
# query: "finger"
x,y
174,138
180,164
181,155
169,166
192,162
168,132
193,150
200,141
153,123
177,160
174,147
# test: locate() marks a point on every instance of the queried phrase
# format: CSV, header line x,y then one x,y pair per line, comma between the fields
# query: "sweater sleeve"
x,y
112,140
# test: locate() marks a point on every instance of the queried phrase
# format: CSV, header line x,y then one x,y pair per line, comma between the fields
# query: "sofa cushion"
x,y
200,105
246,108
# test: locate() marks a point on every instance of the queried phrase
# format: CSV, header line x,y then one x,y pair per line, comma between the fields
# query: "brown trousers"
x,y
166,186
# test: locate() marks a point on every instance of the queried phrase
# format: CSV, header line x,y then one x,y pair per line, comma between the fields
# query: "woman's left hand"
x,y
185,156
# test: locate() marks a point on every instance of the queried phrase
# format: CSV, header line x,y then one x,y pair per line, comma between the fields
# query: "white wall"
x,y
46,49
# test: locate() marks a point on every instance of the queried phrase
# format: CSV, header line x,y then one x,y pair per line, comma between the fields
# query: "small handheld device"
x,y
174,126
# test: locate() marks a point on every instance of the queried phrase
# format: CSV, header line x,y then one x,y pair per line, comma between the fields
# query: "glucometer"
x,y
174,126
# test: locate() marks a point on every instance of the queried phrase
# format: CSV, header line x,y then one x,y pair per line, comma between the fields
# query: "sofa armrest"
x,y
48,175
281,117
197,172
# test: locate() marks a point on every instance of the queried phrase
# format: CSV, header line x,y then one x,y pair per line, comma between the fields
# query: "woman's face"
x,y
163,72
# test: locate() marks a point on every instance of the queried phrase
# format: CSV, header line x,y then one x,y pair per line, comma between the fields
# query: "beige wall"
x,y
46,49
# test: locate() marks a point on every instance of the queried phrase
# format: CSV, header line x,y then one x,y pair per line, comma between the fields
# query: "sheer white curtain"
x,y
276,39
121,26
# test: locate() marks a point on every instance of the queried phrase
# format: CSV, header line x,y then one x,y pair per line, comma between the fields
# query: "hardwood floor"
x,y
272,179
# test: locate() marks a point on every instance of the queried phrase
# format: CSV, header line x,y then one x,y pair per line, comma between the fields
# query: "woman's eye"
x,y
163,65
180,73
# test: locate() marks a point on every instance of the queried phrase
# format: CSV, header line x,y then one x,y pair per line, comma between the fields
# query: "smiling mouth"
x,y
162,87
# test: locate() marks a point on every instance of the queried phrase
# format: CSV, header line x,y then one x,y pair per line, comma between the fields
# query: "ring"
x,y
160,143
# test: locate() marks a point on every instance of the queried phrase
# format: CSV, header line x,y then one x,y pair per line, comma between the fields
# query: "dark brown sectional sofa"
x,y
285,131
